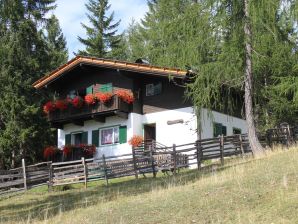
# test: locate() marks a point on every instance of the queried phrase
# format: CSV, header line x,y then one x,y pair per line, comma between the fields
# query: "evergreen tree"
x,y
209,36
101,35
24,58
56,43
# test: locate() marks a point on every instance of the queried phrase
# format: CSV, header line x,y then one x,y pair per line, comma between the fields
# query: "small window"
x,y
153,89
237,131
72,94
219,129
109,136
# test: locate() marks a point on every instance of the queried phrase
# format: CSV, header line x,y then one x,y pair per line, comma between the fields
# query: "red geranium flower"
x,y
77,102
66,150
61,104
48,107
90,99
49,152
103,97
136,141
125,95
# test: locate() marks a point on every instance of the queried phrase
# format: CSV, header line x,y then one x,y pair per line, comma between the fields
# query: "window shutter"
x,y
122,134
85,137
68,139
217,129
224,130
95,138
89,90
106,88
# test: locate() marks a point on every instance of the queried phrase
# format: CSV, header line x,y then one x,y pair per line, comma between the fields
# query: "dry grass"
x,y
244,191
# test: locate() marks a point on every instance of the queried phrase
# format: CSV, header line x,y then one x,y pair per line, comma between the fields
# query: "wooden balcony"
x,y
97,112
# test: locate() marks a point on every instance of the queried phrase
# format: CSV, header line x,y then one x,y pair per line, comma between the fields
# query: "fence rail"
x,y
142,160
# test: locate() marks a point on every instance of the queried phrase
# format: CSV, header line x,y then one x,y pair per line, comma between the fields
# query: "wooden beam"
x,y
78,122
121,114
57,125
99,118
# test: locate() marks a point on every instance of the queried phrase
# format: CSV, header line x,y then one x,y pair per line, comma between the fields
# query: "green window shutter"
x,y
106,88
224,130
85,137
89,90
95,138
68,139
217,129
122,134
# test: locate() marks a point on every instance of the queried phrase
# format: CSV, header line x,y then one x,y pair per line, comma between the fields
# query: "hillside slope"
x,y
253,191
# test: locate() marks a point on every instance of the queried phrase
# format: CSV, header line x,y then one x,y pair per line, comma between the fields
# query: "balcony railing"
x,y
90,111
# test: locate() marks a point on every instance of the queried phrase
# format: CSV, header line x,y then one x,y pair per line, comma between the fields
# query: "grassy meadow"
x,y
243,191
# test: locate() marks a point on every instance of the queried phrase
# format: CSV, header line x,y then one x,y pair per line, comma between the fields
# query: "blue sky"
x,y
72,12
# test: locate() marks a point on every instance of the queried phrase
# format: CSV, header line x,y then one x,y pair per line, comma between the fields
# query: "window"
x,y
109,136
153,89
237,131
219,129
72,94
76,138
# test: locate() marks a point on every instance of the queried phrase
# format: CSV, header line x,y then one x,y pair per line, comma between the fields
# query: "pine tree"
x,y
24,58
101,35
209,36
56,43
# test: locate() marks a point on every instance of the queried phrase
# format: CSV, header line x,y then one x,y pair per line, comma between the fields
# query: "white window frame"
x,y
113,136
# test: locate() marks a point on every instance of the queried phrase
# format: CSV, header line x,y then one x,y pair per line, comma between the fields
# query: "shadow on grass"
x,y
42,205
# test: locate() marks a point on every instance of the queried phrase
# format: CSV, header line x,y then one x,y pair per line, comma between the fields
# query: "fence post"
x,y
85,171
24,174
134,162
50,184
241,145
222,150
105,169
152,163
199,153
175,159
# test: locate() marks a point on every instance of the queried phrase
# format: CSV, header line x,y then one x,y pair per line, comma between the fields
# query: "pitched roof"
x,y
107,63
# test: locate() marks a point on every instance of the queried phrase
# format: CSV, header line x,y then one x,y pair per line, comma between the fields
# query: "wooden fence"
x,y
24,177
141,161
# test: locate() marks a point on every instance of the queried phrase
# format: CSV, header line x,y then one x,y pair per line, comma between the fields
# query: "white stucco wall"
x,y
89,126
226,120
179,133
166,134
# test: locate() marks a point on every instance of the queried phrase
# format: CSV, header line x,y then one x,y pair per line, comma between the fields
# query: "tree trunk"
x,y
255,145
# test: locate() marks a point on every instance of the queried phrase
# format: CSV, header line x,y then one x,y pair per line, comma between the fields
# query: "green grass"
x,y
244,191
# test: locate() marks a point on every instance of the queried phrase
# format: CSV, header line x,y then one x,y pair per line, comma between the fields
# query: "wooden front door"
x,y
149,134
